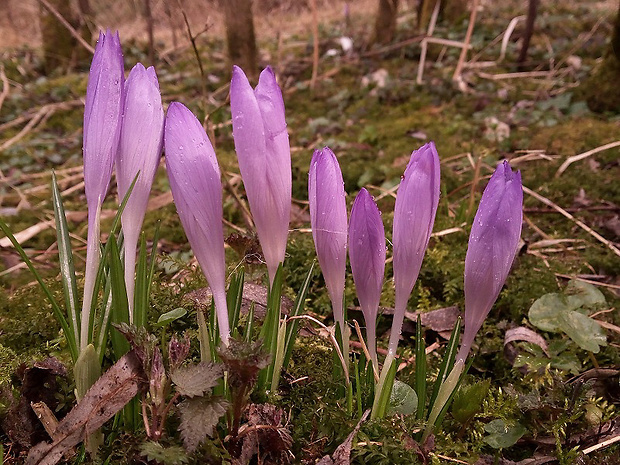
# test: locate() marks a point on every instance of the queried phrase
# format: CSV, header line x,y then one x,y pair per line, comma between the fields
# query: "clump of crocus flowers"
x,y
124,126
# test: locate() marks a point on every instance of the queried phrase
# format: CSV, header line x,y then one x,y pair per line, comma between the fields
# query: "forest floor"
x,y
532,395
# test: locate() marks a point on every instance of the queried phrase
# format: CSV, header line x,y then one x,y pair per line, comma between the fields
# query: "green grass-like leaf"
x,y
65,258
58,313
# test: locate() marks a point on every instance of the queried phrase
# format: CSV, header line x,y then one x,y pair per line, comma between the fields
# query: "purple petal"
x,y
197,191
102,115
328,216
492,248
263,151
367,254
414,216
140,144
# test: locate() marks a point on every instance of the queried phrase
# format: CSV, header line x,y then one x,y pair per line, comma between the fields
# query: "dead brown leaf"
x,y
110,393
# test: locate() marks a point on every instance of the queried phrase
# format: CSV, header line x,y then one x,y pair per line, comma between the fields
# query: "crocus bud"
x,y
102,115
492,248
139,151
367,256
261,142
328,217
197,191
414,216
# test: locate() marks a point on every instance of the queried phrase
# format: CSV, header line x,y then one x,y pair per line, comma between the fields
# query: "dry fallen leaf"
x,y
110,393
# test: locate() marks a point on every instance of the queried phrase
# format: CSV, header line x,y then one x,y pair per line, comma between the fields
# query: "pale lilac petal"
x,y
197,191
492,248
102,123
139,151
328,216
263,151
367,256
102,117
367,253
414,215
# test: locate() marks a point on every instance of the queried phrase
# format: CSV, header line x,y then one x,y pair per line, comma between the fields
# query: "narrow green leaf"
x,y
420,369
65,257
58,313
234,299
448,361
386,391
120,306
269,330
145,271
249,326
298,308
141,297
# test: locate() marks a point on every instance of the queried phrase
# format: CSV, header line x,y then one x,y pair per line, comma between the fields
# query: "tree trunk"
x,y
240,35
385,24
59,45
148,17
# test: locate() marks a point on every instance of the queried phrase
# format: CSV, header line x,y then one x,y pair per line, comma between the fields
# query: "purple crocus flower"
x,y
414,216
367,256
261,142
141,140
197,191
492,248
328,217
102,115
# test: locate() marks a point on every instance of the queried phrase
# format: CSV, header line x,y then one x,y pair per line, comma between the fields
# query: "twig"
x,y
470,29
429,33
5,86
68,26
589,281
43,112
507,33
26,129
395,46
315,44
358,330
192,39
331,331
524,74
579,223
570,160
601,445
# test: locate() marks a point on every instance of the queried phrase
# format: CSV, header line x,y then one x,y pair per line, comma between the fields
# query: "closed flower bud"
x,y
139,151
102,116
328,217
367,256
261,142
492,247
414,216
194,176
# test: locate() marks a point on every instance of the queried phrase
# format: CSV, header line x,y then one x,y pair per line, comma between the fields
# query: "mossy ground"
x,y
373,131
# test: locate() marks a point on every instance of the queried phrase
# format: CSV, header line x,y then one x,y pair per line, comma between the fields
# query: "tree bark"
x,y
385,24
148,17
240,35
59,45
